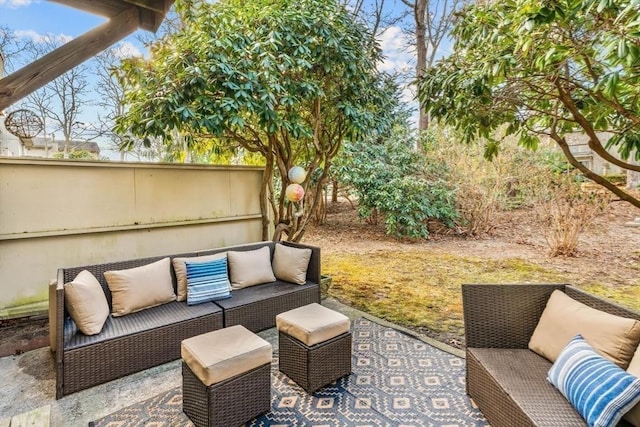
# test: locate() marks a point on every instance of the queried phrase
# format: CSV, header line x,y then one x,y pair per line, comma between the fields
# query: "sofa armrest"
x,y
53,318
313,271
503,316
56,315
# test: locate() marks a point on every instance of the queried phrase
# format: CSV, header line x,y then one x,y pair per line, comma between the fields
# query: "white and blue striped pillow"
x,y
207,281
596,387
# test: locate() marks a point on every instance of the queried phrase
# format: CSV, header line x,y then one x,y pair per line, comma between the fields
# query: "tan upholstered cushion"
x,y
180,268
312,324
86,303
248,268
614,337
290,264
138,288
225,353
633,416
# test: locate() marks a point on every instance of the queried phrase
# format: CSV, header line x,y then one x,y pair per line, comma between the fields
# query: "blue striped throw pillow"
x,y
596,387
207,281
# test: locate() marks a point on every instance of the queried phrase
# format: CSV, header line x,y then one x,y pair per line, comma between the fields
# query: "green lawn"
x,y
420,288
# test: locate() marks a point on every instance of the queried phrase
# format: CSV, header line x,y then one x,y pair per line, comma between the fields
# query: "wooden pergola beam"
x,y
40,72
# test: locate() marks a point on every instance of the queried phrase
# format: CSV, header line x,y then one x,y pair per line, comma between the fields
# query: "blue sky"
x,y
37,18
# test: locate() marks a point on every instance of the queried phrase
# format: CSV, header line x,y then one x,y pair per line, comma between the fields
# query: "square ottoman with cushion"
x,y
226,377
315,345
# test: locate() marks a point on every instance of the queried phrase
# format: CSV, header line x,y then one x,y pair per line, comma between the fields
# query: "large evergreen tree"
x,y
290,80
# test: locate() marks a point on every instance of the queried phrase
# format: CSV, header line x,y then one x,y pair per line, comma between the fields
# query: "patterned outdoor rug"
x,y
397,380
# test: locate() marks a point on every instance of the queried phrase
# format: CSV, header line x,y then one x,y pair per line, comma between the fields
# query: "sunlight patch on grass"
x,y
628,296
422,288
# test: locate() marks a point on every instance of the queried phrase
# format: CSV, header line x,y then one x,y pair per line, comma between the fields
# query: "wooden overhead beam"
x,y
40,72
151,12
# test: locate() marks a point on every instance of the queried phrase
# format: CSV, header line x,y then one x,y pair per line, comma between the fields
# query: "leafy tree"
x,y
76,155
60,102
290,80
391,179
544,69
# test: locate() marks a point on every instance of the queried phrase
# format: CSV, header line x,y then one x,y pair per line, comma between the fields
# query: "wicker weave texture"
x,y
514,383
261,314
503,316
95,364
229,403
316,366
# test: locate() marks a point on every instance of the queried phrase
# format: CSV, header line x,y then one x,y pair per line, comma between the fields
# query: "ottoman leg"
x,y
229,403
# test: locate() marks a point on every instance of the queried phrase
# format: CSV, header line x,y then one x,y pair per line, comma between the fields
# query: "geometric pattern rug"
x,y
396,380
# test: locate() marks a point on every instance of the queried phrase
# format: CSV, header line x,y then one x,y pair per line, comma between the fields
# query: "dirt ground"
x,y
609,252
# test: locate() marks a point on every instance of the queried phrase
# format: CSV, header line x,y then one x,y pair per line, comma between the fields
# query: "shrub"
x,y
569,210
76,154
515,178
390,180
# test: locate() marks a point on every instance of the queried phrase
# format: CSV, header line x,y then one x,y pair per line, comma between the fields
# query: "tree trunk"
x,y
334,190
421,53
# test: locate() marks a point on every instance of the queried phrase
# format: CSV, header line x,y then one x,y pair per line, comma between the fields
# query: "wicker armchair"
x,y
505,379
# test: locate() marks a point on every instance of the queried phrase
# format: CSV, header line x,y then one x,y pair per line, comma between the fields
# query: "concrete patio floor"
x,y
28,382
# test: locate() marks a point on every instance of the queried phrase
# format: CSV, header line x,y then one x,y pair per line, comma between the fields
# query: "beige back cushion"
x,y
633,416
142,287
290,264
86,302
180,268
614,337
248,268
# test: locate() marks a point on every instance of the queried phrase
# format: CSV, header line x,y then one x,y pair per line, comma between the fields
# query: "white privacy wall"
x,y
73,213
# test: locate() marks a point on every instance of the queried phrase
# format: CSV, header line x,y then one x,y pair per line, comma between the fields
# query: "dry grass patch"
x,y
628,296
421,289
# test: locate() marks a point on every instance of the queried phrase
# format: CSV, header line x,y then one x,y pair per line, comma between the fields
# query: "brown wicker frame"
x,y
316,366
499,321
98,362
228,403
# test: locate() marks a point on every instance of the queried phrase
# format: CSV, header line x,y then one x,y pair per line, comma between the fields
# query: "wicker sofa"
x,y
505,379
151,337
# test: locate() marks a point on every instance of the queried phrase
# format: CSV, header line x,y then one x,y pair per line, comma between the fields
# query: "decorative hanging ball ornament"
x,y
294,192
297,175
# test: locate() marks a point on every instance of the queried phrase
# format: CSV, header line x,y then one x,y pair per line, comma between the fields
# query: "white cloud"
x,y
15,3
126,50
43,38
398,57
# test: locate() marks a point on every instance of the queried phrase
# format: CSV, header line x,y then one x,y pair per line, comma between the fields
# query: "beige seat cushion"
x,y
180,268
290,264
614,337
633,416
312,324
86,302
249,268
135,289
219,355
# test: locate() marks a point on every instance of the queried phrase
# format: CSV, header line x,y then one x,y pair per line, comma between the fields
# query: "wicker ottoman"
x,y
315,345
226,377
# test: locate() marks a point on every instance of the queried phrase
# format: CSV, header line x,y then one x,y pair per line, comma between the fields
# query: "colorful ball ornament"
x,y
294,192
297,175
